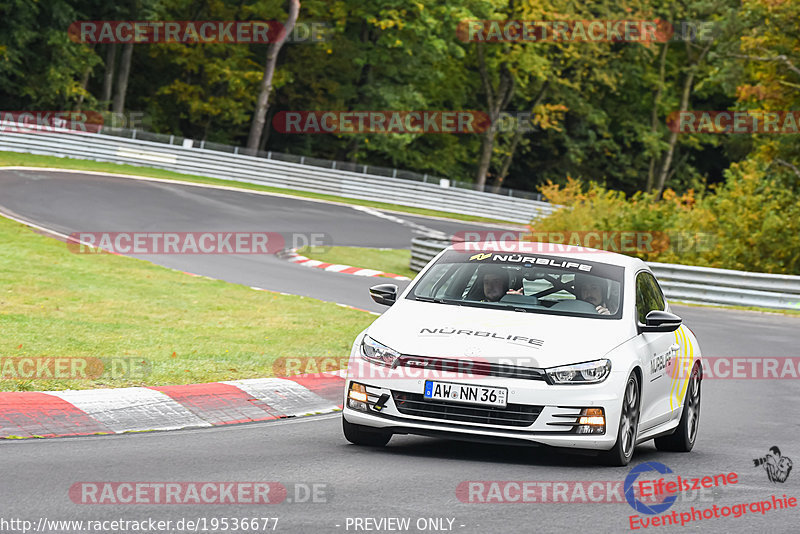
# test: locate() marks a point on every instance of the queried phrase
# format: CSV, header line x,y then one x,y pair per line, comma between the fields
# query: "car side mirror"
x,y
660,321
385,294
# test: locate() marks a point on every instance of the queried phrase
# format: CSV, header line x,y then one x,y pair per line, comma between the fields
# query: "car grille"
x,y
519,415
471,367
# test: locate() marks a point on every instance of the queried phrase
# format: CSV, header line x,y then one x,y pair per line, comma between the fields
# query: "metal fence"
x,y
274,169
685,283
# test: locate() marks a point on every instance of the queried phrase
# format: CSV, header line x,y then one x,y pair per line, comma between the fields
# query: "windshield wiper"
x,y
438,301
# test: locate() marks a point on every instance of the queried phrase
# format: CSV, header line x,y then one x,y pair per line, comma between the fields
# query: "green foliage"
x,y
751,222
599,108
40,67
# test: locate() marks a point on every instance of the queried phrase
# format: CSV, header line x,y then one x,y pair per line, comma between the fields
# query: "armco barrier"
x,y
686,283
283,174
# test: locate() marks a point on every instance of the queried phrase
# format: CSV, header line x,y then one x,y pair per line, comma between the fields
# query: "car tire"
x,y
627,432
685,435
362,435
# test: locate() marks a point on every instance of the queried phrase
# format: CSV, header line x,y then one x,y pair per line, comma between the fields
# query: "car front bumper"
x,y
552,409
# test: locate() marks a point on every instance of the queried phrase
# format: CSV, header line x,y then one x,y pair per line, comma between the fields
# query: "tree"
x,y
40,67
118,105
260,113
768,54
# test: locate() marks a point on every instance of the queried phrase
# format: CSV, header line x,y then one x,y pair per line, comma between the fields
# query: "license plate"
x,y
465,393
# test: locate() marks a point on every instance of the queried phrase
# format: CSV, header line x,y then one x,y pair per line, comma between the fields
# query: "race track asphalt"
x,y
69,202
413,477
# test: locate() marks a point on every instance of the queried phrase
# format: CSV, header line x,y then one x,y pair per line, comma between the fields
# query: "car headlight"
x,y
581,373
378,353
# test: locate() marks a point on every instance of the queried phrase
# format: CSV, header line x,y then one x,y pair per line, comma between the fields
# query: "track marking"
x,y
416,228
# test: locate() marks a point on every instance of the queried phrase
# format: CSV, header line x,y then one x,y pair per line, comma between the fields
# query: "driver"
x,y
495,284
592,290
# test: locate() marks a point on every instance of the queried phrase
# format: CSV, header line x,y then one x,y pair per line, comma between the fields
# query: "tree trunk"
x,y
487,146
265,136
507,162
654,114
673,138
516,139
108,77
122,79
262,103
496,101
84,83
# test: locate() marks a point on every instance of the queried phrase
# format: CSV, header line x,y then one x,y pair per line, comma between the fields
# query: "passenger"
x,y
495,284
592,290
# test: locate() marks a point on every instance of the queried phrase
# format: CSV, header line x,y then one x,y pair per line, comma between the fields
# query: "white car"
x,y
528,342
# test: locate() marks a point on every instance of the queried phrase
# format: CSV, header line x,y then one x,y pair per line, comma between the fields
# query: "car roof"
x,y
552,249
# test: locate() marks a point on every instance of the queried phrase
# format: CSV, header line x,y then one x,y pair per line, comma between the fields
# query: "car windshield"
x,y
524,282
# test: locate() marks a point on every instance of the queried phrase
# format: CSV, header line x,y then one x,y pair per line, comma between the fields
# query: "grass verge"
x,y
54,303
8,159
394,261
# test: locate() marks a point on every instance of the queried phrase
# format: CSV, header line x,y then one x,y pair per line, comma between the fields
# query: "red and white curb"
x,y
137,409
292,256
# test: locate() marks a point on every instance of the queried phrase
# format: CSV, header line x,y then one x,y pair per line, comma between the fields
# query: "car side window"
x,y
658,295
648,295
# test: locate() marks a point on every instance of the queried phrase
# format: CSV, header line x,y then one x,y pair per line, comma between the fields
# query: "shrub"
x,y
751,222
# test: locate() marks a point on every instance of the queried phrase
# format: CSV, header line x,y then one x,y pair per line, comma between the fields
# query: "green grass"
x,y
394,261
30,160
54,303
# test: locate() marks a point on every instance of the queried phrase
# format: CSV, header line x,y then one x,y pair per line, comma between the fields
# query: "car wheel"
x,y
622,452
685,435
362,435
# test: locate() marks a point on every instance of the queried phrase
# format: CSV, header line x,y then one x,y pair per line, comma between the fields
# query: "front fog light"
x,y
357,397
592,421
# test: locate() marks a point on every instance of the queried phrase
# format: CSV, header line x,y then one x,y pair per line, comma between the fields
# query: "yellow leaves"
x,y
567,195
548,116
750,92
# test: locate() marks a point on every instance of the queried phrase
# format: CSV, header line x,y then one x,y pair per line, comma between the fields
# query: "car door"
x,y
657,350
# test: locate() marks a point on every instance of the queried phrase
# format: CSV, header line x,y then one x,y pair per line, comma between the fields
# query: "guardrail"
x,y
685,283
188,159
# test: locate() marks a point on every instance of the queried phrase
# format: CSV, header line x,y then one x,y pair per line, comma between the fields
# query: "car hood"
x,y
498,336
